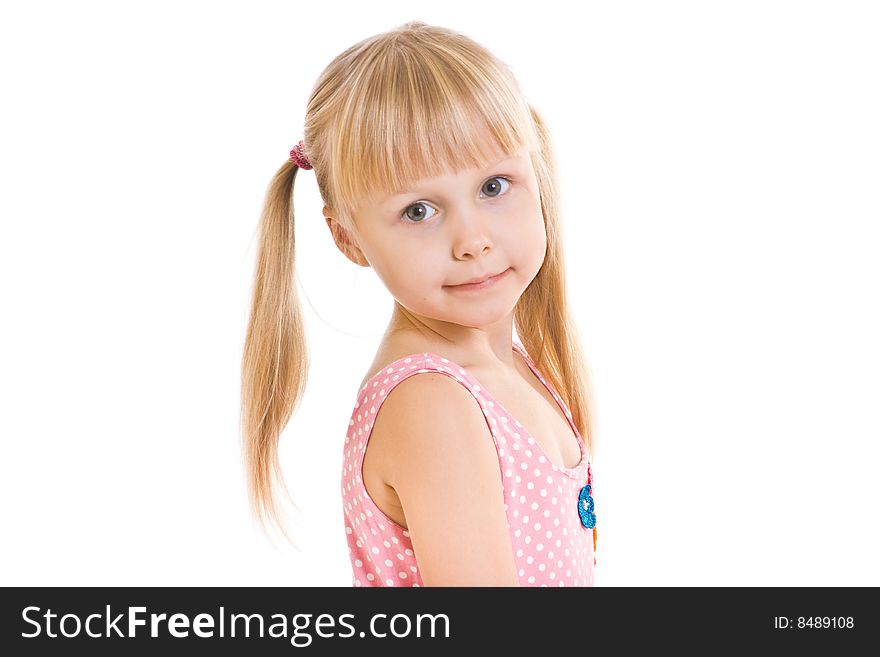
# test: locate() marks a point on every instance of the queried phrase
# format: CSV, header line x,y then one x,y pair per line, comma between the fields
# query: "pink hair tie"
x,y
298,157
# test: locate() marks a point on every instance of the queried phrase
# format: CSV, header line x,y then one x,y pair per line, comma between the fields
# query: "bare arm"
x,y
444,468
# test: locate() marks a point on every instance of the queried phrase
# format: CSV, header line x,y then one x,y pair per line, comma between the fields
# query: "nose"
x,y
471,235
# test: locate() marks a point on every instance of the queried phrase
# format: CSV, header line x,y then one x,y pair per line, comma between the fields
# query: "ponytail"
x,y
275,361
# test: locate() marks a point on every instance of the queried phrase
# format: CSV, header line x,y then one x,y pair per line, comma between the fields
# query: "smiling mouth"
x,y
477,285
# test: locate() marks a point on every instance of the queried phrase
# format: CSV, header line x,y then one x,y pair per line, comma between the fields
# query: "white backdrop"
x,y
719,174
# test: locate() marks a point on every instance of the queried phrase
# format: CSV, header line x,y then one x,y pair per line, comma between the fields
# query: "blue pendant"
x,y
585,508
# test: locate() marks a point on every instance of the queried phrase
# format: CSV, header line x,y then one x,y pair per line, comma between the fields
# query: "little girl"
x,y
466,461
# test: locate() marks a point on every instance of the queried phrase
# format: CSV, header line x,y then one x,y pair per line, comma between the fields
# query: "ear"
x,y
345,241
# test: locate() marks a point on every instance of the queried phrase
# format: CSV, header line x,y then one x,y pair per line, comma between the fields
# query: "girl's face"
x,y
453,229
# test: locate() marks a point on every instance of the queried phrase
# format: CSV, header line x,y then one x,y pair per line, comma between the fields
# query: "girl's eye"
x,y
416,217
490,184
416,213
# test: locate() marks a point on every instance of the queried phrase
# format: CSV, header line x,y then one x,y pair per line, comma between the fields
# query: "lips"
x,y
480,280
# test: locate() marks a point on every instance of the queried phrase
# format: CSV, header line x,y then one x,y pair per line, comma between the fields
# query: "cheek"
x,y
539,249
407,271
531,242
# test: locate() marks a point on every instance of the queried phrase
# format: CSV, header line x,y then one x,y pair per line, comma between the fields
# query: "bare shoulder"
x,y
425,416
438,455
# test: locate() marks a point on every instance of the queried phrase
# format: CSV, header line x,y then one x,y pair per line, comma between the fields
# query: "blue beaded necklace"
x,y
586,506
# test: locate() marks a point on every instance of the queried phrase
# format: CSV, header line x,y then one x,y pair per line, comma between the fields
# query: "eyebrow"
x,y
395,194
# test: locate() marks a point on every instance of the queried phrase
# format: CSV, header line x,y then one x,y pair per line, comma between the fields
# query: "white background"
x,y
719,172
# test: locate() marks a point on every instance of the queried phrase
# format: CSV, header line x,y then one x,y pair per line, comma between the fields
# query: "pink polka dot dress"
x,y
549,508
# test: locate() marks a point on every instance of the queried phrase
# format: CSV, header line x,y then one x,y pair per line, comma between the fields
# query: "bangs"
x,y
418,114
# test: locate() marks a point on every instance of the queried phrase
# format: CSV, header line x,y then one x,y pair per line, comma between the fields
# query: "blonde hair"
x,y
397,107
